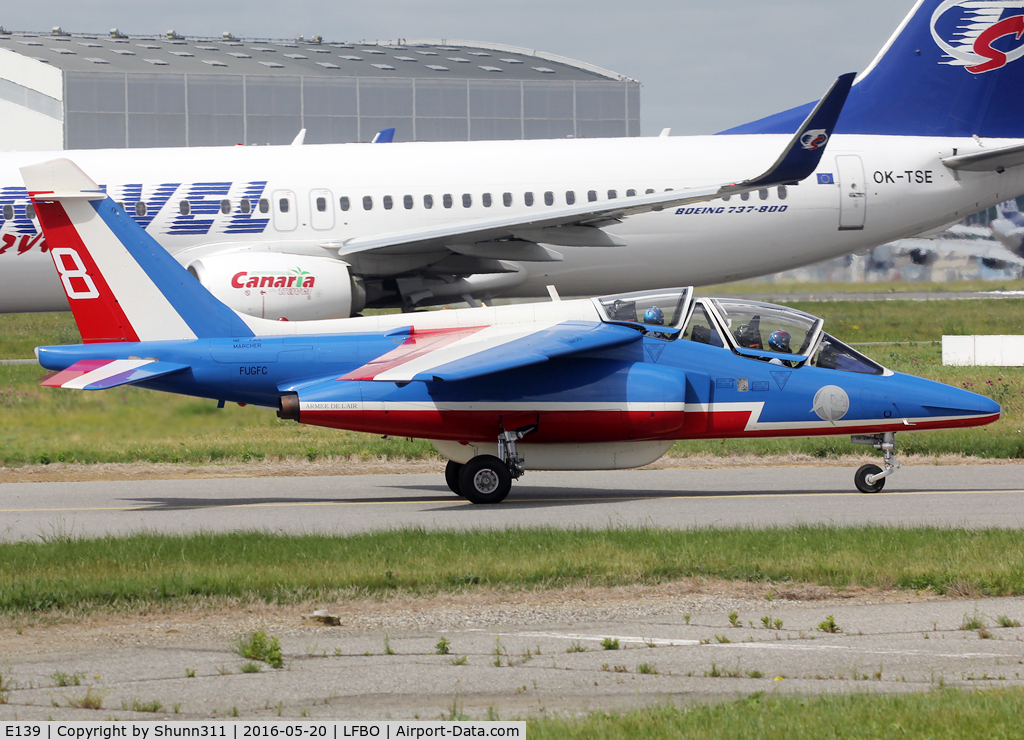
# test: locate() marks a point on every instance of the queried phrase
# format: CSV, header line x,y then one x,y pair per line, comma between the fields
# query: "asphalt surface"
x,y
969,496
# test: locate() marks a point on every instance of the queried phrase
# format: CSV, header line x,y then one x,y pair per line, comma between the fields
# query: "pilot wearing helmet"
x,y
778,341
656,317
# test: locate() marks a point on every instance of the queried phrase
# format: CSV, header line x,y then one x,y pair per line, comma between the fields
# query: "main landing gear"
x,y
871,478
487,479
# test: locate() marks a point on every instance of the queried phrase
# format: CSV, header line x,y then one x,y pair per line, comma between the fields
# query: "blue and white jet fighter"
x,y
595,384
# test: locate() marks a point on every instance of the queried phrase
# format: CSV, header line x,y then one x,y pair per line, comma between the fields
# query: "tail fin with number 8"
x,y
114,296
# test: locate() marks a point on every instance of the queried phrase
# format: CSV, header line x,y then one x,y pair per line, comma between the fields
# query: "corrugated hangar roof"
x,y
170,54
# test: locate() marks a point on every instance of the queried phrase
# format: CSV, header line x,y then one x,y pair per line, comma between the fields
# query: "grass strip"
x,y
154,569
993,714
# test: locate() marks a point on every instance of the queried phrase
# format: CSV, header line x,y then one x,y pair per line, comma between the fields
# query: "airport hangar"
x,y
62,90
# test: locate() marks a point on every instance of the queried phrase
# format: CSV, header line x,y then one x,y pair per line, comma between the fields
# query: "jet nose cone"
x,y
962,403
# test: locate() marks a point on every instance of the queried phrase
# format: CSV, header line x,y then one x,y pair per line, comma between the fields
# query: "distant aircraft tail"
x,y
122,286
953,68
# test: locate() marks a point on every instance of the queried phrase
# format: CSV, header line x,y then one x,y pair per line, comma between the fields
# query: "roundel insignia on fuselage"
x,y
831,403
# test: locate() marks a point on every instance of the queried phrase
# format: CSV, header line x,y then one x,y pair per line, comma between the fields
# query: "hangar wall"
x,y
144,110
31,111
85,91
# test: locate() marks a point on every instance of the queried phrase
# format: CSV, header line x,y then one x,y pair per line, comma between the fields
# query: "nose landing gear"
x,y
871,478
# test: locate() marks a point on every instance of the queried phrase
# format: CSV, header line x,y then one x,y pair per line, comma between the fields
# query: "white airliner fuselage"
x,y
868,190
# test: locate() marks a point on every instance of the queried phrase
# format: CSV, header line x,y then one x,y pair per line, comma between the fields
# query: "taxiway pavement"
x,y
968,496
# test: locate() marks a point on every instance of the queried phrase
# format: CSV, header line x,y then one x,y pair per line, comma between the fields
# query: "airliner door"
x,y
321,209
853,192
286,215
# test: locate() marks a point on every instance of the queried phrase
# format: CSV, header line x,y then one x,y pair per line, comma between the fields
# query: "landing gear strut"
x,y
871,478
487,479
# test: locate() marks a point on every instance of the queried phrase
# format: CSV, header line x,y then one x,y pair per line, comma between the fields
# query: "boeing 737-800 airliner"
x,y
931,132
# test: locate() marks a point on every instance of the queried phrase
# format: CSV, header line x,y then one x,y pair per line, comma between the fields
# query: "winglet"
x,y
800,158
384,136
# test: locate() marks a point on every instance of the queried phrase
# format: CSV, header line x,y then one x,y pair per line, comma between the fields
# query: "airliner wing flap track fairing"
x,y
581,225
601,383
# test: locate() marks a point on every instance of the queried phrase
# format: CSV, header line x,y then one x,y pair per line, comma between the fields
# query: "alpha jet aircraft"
x,y
594,384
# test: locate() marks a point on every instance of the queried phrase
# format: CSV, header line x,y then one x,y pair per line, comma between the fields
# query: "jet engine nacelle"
x,y
281,286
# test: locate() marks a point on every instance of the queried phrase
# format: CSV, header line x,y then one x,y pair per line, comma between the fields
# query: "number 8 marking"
x,y
79,272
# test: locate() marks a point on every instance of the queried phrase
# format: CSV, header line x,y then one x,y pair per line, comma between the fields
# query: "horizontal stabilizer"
x,y
99,375
461,354
990,160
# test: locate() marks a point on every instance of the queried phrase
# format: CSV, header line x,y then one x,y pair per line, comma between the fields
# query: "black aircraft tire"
x,y
485,480
451,477
861,479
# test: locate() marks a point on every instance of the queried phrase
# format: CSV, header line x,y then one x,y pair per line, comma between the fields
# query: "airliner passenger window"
x,y
570,197
591,195
225,207
389,203
549,198
140,209
447,200
507,199
120,204
649,191
30,211
783,192
367,202
467,200
321,205
612,195
282,205
245,206
407,202
763,193
487,200
744,196
528,198
9,211
264,205
344,203
428,201
630,193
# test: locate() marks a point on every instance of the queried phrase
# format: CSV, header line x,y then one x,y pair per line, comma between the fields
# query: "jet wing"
x,y
470,352
99,375
517,237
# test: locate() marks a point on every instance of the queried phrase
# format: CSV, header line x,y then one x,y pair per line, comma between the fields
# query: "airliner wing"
x,y
470,352
519,237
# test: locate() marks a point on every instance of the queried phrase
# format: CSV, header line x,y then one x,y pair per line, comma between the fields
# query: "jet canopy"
x,y
759,331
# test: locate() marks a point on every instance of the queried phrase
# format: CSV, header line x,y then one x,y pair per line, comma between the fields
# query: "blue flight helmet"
x,y
779,341
654,315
